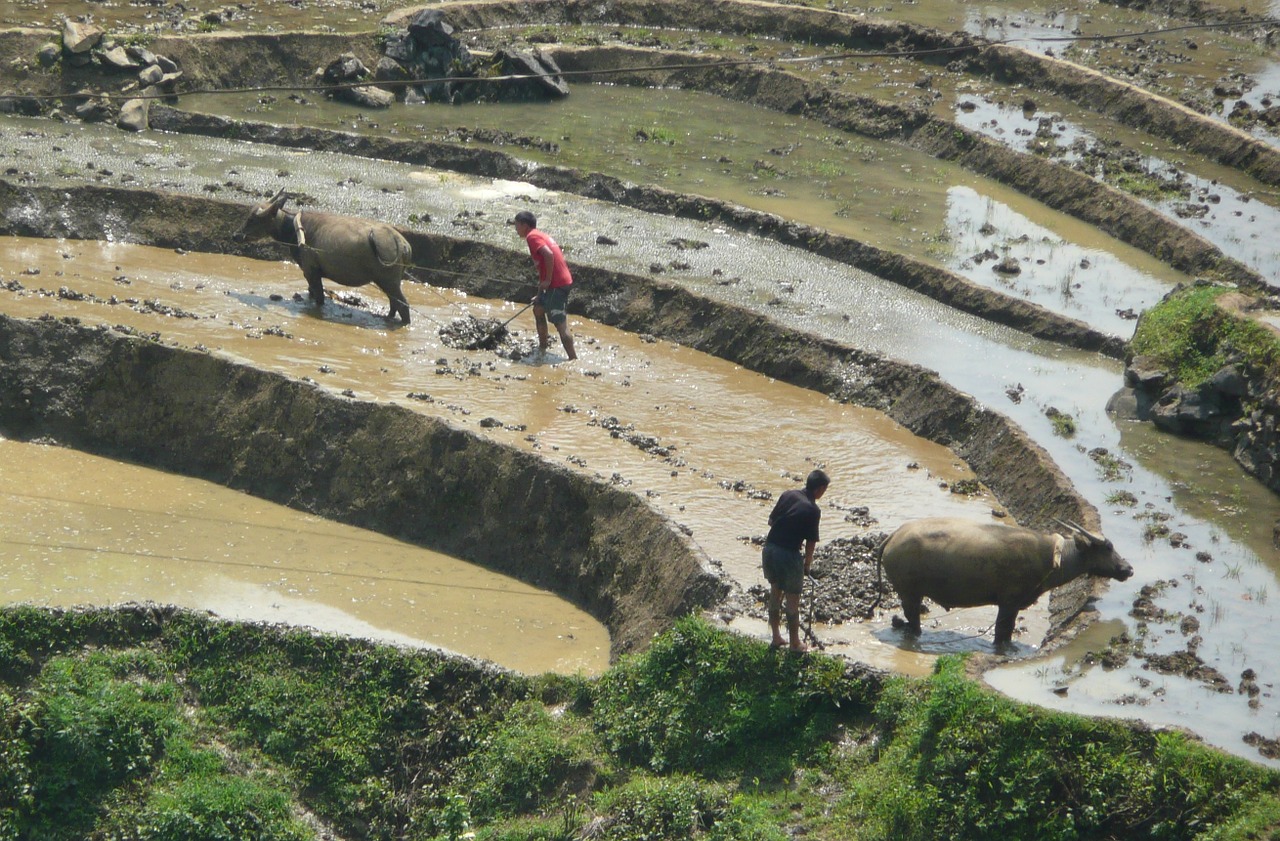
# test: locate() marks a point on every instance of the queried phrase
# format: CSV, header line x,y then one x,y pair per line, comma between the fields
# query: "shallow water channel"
x,y
1221,512
79,529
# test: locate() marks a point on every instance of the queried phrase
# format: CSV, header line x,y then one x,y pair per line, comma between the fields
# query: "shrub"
x,y
961,762
706,700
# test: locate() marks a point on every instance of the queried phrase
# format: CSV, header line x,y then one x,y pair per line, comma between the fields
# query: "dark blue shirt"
x,y
794,520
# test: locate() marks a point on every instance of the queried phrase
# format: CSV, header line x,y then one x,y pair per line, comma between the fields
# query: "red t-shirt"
x,y
559,269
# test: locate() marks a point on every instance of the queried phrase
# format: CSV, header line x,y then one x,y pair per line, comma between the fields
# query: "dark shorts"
x,y
783,568
554,301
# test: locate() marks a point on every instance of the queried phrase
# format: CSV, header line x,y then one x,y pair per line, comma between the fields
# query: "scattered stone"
x,y
79,38
1009,266
133,115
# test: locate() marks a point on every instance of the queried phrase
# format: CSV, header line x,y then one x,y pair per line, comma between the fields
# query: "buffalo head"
x,y
262,219
1097,554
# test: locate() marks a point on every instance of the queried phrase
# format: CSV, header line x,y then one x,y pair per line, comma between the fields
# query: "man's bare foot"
x,y
798,649
778,642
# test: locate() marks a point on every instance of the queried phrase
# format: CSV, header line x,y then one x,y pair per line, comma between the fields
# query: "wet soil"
x,y
380,467
799,359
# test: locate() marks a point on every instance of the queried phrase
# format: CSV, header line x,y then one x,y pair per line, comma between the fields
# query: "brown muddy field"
x,y
1020,473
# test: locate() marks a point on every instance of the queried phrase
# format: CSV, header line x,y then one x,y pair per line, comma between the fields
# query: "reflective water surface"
x,y
79,529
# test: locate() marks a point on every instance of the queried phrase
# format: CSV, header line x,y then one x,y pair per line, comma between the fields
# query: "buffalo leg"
x,y
911,612
1005,620
399,306
316,287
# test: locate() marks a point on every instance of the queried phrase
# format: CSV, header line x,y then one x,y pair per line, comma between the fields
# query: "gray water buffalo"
x,y
960,563
346,250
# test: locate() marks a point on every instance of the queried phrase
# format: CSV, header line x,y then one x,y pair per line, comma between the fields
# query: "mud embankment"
x,y
942,285
230,61
1087,88
1020,473
380,467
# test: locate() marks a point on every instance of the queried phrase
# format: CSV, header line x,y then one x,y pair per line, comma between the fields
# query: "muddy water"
x,y
987,361
876,192
79,529
1224,206
719,467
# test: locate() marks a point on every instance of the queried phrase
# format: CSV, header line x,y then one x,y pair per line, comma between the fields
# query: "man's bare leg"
x,y
793,622
540,319
566,340
775,616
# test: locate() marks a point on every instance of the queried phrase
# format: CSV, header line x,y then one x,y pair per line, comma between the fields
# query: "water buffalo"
x,y
349,251
960,563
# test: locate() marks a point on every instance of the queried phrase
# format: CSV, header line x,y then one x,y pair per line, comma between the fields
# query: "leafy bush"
x,y
961,762
530,759
200,799
98,722
713,702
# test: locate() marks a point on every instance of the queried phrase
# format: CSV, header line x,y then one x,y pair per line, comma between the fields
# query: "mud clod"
x,y
473,333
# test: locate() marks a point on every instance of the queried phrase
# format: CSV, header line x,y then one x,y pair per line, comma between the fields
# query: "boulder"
x,y
48,55
134,115
367,96
150,75
546,83
94,110
117,58
430,29
79,38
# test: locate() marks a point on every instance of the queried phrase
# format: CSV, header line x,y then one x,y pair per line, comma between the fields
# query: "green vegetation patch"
x,y
143,724
1194,338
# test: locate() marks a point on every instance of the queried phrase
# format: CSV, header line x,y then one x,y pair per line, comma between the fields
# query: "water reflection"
x,y
80,529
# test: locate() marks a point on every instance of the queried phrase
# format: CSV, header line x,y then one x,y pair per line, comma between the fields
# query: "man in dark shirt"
x,y
793,521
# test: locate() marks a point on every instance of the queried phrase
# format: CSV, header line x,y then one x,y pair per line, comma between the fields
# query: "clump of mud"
x,y
473,333
844,585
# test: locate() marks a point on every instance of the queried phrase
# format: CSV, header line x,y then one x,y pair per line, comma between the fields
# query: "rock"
x,y
93,111
547,81
117,58
1009,266
367,96
79,38
1146,374
150,75
142,56
345,68
389,70
133,115
401,48
430,29
48,55
1229,381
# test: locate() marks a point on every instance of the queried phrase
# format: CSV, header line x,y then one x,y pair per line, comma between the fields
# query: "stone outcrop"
x,y
427,63
1237,408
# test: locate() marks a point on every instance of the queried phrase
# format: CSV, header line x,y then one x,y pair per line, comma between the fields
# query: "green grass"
x,y
126,725
1194,338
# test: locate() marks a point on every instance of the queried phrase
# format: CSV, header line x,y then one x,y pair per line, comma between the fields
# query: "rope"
x,y
184,559
1270,21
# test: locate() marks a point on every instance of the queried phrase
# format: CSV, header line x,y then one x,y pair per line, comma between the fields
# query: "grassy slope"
x,y
145,725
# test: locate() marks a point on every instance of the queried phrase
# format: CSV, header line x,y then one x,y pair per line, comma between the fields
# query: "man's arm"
x,y
808,554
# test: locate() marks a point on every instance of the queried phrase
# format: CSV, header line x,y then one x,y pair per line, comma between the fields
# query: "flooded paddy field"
x,y
1219,571
81,529
677,427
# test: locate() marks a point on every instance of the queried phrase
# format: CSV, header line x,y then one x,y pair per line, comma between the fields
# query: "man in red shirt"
x,y
554,281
